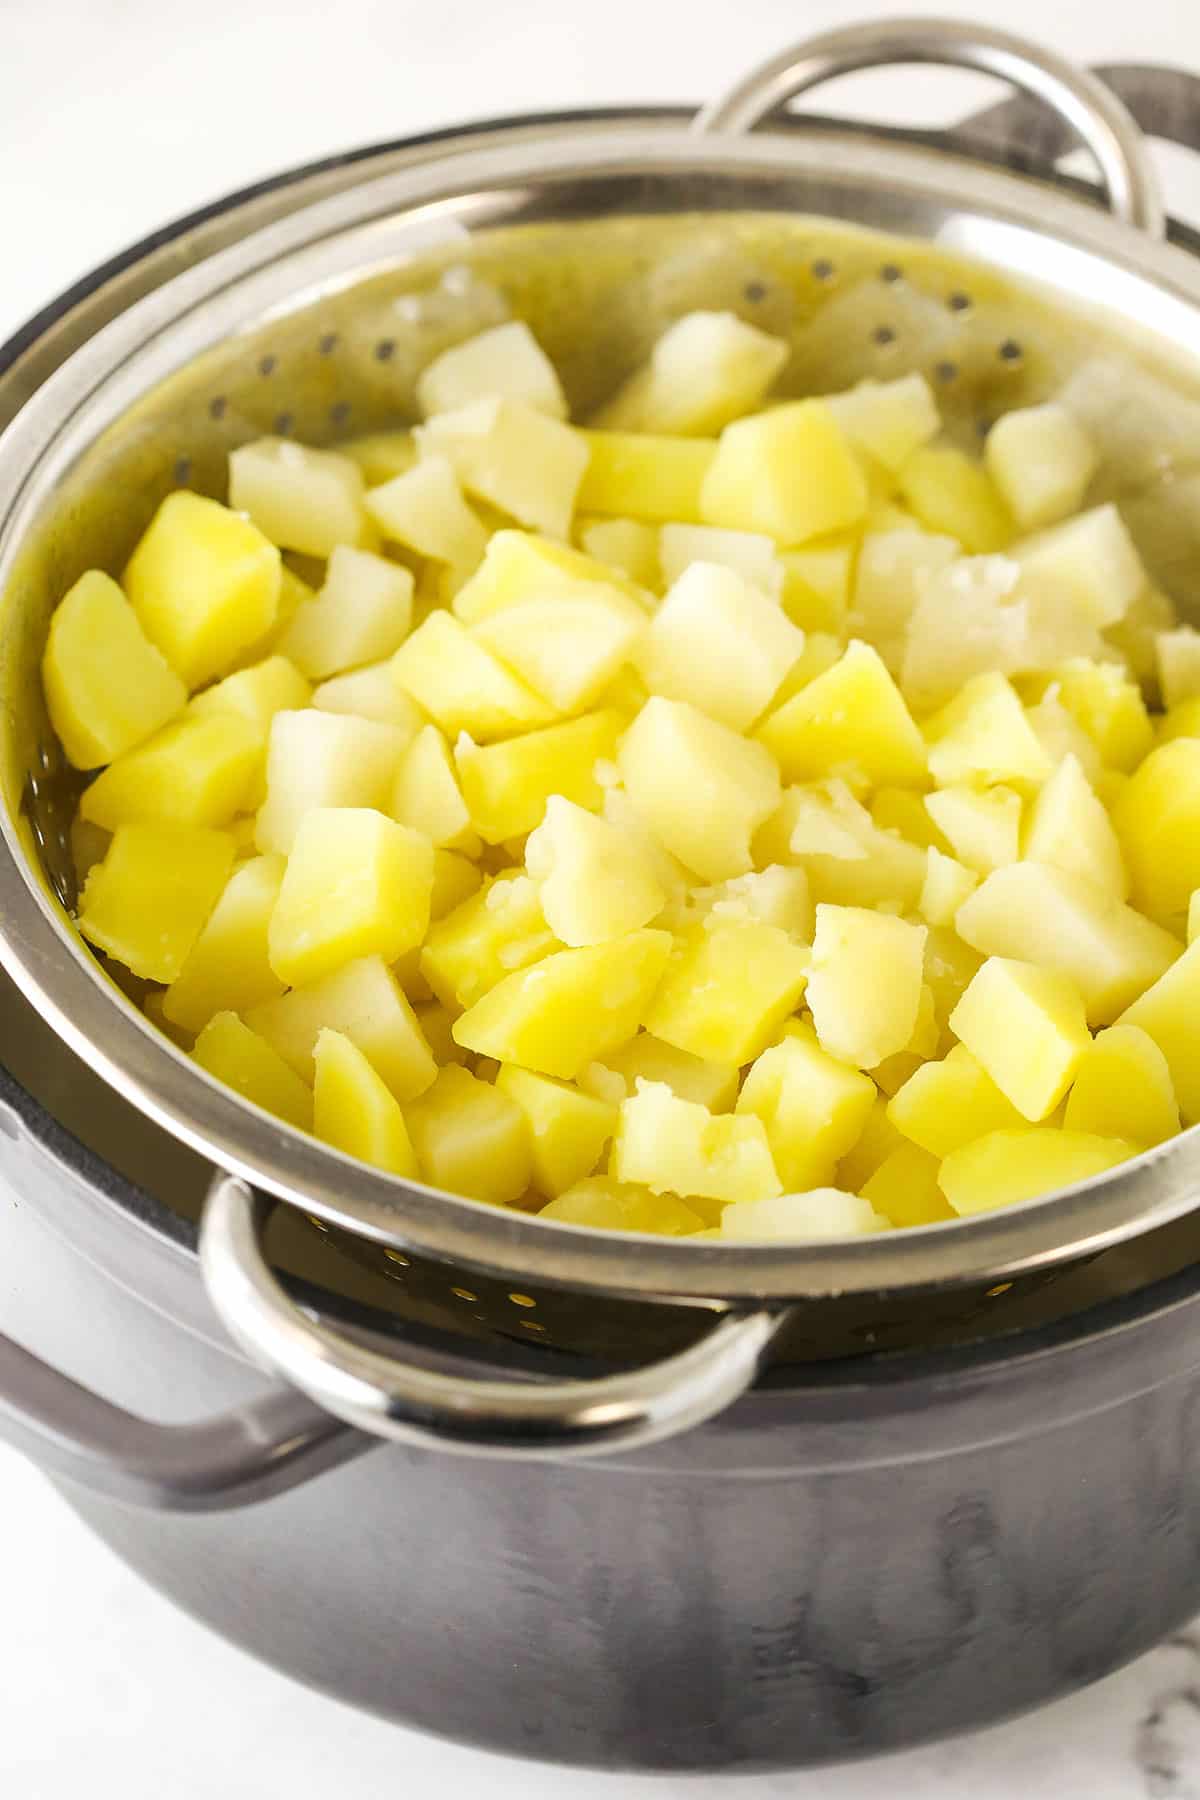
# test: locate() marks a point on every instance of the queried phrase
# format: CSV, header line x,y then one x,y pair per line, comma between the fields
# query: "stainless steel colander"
x,y
310,309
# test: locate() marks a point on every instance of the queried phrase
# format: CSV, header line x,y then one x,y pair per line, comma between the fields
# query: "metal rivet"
x,y
396,1256
266,365
217,407
463,1294
385,349
522,1300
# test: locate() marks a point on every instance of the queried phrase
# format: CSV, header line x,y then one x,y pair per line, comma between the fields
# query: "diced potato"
x,y
893,569
673,1145
793,1218
947,884
436,1022
606,1205
983,736
371,693
876,1142
506,362
364,1002
821,651
1091,561
196,771
293,592
569,647
903,811
516,458
488,936
322,759
1042,460
520,567
706,369
1106,704
237,1056
568,1129
890,420
672,753
455,879
462,685
306,500
147,902
381,454
1178,658
1070,828
471,1139
357,884
864,988
646,476
1007,1166
727,990
594,882
852,716
1061,736
361,615
904,1188
770,896
256,693
354,1110
983,829
949,967
204,584
969,619
426,795
1026,1026
227,969
748,553
814,1108
107,687
424,509
946,1104
849,861
506,786
816,583
789,472
1134,635
1157,817
650,1058
956,498
1167,1012
1123,1089
570,1008
629,546
719,643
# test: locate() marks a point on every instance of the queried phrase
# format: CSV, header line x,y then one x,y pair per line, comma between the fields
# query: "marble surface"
x,y
115,115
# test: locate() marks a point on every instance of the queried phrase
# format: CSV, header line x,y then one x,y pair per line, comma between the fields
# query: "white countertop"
x,y
114,116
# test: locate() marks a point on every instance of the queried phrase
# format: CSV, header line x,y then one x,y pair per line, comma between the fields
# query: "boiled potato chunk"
x,y
424,509
1123,1089
462,685
983,829
234,1054
983,736
673,753
381,454
720,643
905,1188
496,931
817,581
864,988
355,1112
301,499
814,1108
1070,828
371,693
890,576
852,716
323,759
228,969
357,884
455,879
1007,1166
107,687
362,1001
426,795
520,567
566,648
727,990
506,362
1157,816
646,476
516,458
650,1058
361,615
607,1205
1091,561
147,902
1109,707
471,1139
630,546
706,369
568,1129
793,1218
1178,659
876,1143
1026,1026
955,497
770,896
1042,460
890,420
196,771
595,883
570,1008
748,553
256,693
788,472
946,1104
506,786
674,1146
204,584
1167,1012
947,884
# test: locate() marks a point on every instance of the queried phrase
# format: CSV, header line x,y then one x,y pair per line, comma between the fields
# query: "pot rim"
x,y
1044,236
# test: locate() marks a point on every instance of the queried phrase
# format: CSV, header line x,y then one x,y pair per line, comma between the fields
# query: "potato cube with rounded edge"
x,y
1091,562
426,795
719,643
890,420
594,882
904,1188
363,1001
471,1139
1168,1012
371,693
256,692
302,499
505,361
1105,703
1007,1166
814,1108
607,1205
322,759
237,1056
568,1128
630,547
955,497
361,615
520,566
864,987
852,716
204,583
514,457
1026,1026
486,937
1042,460
727,990
195,771
567,648
227,969
645,475
1061,736
709,1084
749,554
354,1110
983,829
1157,819
789,472
771,896
380,454
968,620
357,884
455,879
890,576
1070,828
876,1142
946,1104
946,886
506,786
794,1218
983,736
424,509
1123,1089
107,687
147,902
1177,654
463,685
706,369
675,1146
671,754
570,1008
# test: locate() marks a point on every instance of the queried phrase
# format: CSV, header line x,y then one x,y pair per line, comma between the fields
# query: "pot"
x,y
722,1508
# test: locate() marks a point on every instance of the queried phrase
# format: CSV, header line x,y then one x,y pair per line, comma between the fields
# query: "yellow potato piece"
x,y
956,497
147,902
864,987
568,1129
946,1104
1026,1027
426,795
727,990
506,786
789,472
228,970
1123,1089
814,1107
234,1054
1168,1012
852,716
471,1139
606,1205
645,476
650,1058
984,736
675,1146
489,935
706,369
301,499
462,685
595,883
107,687
1006,1166
354,1110
519,567
1157,816
196,771
904,1188
794,1218
364,1002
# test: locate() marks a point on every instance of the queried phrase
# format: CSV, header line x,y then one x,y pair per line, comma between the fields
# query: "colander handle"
x,y
389,1398
1084,103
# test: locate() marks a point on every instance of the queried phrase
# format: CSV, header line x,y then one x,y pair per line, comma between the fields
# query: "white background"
x,y
114,116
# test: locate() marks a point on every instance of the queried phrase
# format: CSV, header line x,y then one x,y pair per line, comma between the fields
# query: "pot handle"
x,y
392,1399
1080,99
